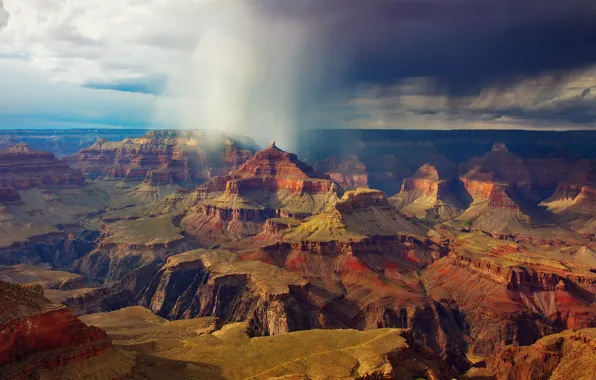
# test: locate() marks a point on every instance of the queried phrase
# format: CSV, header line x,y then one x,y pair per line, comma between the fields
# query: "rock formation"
x,y
59,249
23,168
355,265
512,293
217,283
574,205
347,171
495,185
426,196
128,246
568,355
163,157
36,334
273,183
48,279
492,261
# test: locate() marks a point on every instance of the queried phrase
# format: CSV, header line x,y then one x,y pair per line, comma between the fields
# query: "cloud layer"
x,y
268,67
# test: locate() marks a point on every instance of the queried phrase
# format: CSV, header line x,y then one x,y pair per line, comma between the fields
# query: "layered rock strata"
x,y
426,196
35,333
163,157
273,184
23,168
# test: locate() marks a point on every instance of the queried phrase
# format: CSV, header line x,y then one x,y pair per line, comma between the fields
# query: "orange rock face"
x,y
426,195
34,333
361,200
273,169
23,168
237,205
495,193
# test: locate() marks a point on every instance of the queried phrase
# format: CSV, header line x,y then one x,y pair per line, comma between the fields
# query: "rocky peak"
x,y
425,195
499,147
498,166
22,148
427,171
274,162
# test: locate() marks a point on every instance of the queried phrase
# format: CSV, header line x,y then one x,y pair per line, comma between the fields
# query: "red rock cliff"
x,y
34,332
23,168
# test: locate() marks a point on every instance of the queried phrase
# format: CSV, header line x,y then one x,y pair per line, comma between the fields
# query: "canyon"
x,y
163,157
165,253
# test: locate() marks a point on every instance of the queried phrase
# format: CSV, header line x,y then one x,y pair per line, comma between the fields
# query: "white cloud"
x,y
3,15
80,41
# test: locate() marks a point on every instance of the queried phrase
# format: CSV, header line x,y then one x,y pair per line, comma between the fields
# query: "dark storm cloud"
x,y
465,44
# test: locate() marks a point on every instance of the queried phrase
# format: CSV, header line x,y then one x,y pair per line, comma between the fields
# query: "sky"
x,y
269,68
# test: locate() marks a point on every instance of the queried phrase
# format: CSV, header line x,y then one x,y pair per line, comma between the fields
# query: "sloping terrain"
x,y
197,349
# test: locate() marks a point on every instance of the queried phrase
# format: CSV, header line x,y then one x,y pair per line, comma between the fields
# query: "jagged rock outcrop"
x,y
275,301
216,283
359,217
495,174
568,355
164,157
23,168
501,166
426,196
505,179
35,333
272,184
494,185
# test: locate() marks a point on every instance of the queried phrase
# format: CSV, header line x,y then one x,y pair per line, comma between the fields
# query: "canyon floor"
x,y
199,255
